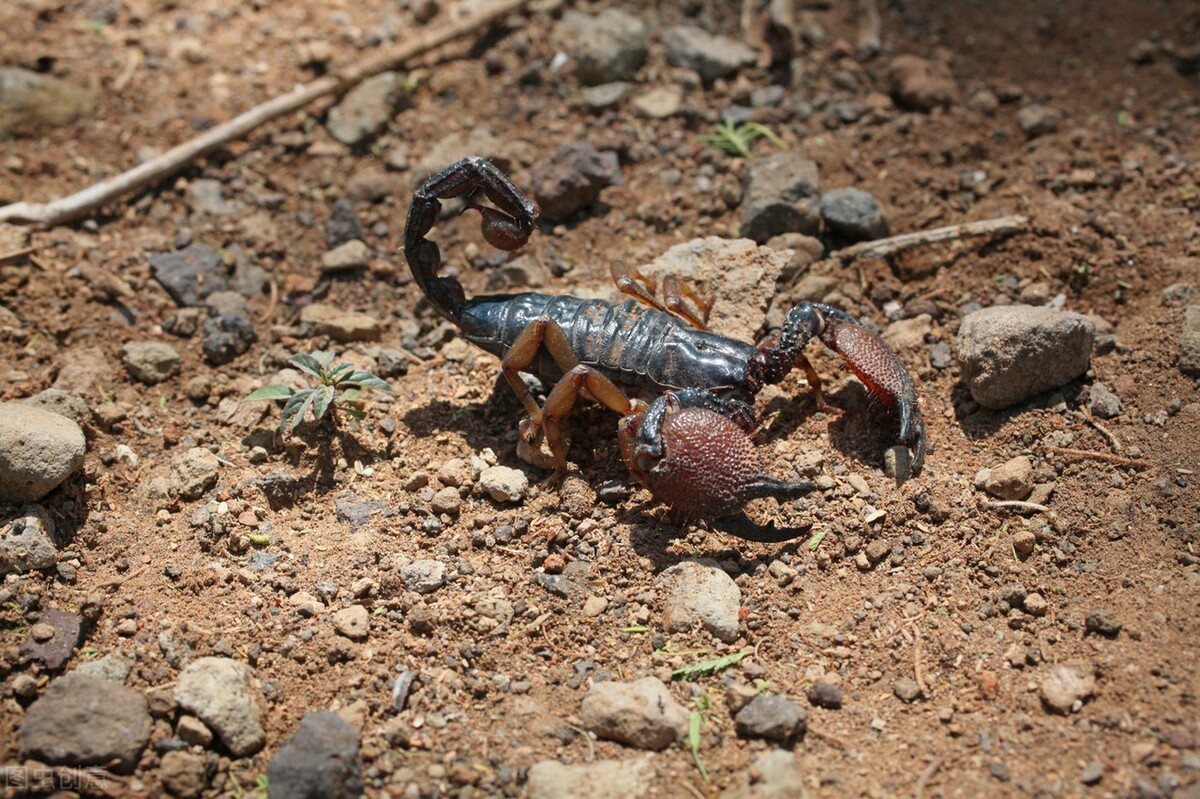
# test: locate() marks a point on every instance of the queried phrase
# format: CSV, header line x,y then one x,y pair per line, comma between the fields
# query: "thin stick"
x,y
84,202
1099,456
918,667
1015,505
16,255
881,248
868,25
116,581
1112,439
927,775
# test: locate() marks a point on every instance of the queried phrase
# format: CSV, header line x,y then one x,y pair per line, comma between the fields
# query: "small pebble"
x,y
826,695
1103,622
906,689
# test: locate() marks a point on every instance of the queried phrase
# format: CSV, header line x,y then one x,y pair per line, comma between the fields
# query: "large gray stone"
x,y
86,721
1189,342
853,214
642,714
1013,352
151,362
780,197
225,695
319,761
27,541
711,56
38,451
776,776
609,46
701,592
365,109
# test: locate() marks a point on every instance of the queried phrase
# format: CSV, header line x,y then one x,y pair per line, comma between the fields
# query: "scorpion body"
x,y
685,394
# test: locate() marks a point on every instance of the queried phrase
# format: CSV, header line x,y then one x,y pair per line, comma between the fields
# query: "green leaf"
x,y
270,393
350,396
322,399
707,668
695,720
636,629
338,372
295,409
307,364
816,540
361,377
259,539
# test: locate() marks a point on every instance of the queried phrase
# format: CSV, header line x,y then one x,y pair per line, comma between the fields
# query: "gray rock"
x,y
740,275
354,254
342,225
700,591
183,774
151,362
572,179
503,483
1011,353
1092,773
27,541
711,56
1066,685
64,403
193,472
642,714
226,337
226,303
906,689
1180,293
826,695
772,717
1011,480
1103,622
605,96
853,214
602,779
1102,402
353,622
365,109
780,197
897,463
32,102
1189,342
424,576
920,84
343,326
206,196
1038,120
447,501
191,274
85,721
112,668
319,761
773,775
38,451
226,696
85,371
609,46
478,140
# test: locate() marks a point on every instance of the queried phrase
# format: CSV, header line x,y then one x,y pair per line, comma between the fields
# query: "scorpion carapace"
x,y
685,394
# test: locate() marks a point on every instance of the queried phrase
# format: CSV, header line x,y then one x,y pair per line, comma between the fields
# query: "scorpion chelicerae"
x,y
685,394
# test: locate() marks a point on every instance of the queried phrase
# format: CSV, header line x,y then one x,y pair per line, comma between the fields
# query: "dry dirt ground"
x,y
1112,194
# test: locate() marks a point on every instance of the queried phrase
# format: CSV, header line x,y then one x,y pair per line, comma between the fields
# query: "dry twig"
x,y
1013,504
1099,456
85,202
927,775
117,581
881,248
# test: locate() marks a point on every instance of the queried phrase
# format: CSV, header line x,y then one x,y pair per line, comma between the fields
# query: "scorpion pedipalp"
x,y
701,462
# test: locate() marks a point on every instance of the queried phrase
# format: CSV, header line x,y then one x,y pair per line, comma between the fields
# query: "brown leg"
x,y
632,282
814,385
676,293
580,380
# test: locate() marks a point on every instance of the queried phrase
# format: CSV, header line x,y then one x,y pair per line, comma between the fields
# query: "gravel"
x,y
504,484
424,576
1011,480
602,779
1103,622
1066,686
193,473
151,362
774,718
826,695
353,622
27,541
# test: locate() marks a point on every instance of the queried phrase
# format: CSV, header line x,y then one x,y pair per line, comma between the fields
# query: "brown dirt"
x,y
1117,538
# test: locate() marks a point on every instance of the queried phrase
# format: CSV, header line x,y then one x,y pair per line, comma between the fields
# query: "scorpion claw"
x,y
742,527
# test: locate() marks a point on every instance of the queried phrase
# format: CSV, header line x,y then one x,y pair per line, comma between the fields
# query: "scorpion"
x,y
685,394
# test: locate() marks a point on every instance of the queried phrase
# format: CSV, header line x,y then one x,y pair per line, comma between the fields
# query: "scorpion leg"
x,y
871,360
675,292
577,379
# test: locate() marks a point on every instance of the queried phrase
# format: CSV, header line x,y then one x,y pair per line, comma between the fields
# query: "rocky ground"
x,y
197,605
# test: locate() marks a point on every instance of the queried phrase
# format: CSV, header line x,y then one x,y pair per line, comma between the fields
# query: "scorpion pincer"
x,y
685,394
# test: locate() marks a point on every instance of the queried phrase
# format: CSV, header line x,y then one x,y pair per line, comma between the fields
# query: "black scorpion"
x,y
685,394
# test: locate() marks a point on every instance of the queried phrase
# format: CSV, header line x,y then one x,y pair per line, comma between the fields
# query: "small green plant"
x,y
734,138
708,667
339,390
695,724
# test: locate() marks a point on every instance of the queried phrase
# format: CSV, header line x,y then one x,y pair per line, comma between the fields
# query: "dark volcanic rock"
x,y
86,721
191,274
320,761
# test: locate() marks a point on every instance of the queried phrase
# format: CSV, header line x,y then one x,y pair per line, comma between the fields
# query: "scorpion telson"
x,y
685,394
